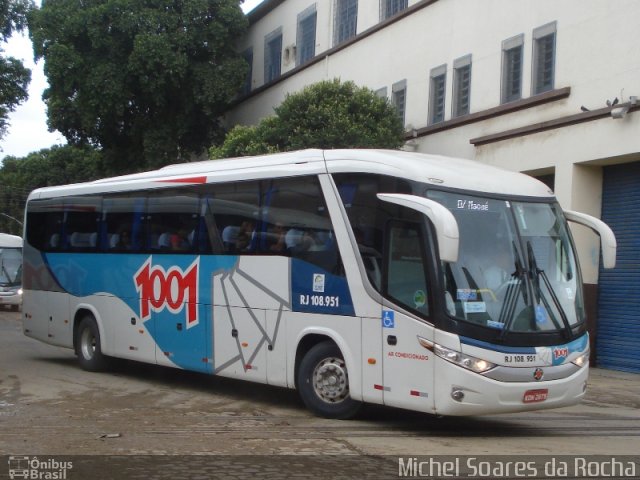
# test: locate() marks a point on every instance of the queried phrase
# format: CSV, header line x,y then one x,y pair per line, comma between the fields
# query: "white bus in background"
x,y
416,281
10,271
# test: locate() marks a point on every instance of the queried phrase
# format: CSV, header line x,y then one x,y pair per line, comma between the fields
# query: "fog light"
x,y
457,395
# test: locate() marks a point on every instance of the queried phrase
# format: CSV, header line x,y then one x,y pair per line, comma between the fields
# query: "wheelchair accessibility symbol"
x,y
388,319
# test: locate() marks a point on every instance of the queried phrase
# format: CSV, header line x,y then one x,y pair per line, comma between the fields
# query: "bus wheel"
x,y
323,383
88,348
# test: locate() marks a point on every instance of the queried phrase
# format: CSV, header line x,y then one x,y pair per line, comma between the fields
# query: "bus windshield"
x,y
10,266
516,271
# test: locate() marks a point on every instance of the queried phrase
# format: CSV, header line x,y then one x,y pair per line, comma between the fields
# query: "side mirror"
x,y
607,237
443,220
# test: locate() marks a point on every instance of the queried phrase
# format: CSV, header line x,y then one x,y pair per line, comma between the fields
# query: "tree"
x,y
14,77
59,165
146,81
328,114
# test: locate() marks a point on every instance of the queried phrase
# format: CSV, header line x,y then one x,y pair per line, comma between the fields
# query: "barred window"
x,y
512,53
461,86
306,40
346,20
544,53
437,87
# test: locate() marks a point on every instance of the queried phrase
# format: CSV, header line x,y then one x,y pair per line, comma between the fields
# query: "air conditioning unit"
x,y
289,54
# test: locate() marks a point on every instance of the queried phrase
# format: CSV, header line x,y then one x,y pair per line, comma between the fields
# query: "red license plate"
x,y
533,396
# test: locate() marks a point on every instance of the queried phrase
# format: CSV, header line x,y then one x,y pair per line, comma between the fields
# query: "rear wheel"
x,y
88,347
323,383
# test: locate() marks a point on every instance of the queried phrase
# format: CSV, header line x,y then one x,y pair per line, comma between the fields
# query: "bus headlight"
x,y
582,360
465,361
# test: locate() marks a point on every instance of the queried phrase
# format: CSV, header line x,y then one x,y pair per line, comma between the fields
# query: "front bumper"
x,y
480,395
10,298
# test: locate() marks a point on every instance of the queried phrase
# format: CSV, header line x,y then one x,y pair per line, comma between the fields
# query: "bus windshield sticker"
x,y
475,307
419,298
494,324
541,315
466,294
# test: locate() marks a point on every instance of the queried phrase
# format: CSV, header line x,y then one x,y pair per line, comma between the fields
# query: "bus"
x,y
416,281
10,271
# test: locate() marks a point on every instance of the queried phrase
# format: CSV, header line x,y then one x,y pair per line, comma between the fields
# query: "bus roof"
x,y
10,241
438,170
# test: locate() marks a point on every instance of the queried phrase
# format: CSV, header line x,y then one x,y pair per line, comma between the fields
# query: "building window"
x,y
248,57
273,55
399,97
388,8
306,41
544,56
346,20
512,51
461,86
437,86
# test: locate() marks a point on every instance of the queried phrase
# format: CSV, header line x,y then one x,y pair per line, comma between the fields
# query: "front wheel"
x,y
323,383
88,348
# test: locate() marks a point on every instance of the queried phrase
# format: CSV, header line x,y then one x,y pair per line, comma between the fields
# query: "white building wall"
x,y
597,52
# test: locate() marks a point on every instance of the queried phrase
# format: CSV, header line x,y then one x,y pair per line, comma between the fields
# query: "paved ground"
x,y
49,408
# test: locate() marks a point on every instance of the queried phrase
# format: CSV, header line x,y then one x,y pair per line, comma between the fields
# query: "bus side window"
x,y
122,224
173,217
44,224
405,272
295,223
368,216
230,212
82,222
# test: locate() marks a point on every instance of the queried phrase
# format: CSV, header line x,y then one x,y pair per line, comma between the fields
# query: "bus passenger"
x,y
245,235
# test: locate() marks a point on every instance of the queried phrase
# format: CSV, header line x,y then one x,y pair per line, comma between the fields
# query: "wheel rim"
x,y
87,343
330,381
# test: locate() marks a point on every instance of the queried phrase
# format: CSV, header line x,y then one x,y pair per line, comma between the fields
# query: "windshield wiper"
x,y
515,287
535,275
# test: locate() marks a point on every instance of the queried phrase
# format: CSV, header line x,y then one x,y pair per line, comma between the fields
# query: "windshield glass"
x,y
10,266
516,271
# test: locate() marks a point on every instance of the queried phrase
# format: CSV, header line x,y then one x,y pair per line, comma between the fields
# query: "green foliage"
x,y
146,81
243,141
14,77
13,16
59,165
326,115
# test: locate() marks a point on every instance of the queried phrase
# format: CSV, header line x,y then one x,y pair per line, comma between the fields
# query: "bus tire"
x,y
88,348
323,382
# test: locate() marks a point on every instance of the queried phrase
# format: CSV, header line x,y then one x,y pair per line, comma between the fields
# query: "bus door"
x,y
408,371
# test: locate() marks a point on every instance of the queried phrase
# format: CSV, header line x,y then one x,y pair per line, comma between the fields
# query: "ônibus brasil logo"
x,y
173,289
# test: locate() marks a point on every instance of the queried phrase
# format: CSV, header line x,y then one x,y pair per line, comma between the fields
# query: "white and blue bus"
x,y
10,271
416,281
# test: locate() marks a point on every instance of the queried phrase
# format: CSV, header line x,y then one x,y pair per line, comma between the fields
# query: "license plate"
x,y
533,396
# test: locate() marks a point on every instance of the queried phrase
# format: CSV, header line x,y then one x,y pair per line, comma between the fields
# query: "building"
x,y
543,87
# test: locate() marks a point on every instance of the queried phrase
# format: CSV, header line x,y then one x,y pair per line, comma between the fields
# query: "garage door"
x,y
618,334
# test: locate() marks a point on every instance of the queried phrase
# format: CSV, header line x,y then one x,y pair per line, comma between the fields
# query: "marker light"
x,y
466,361
582,360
